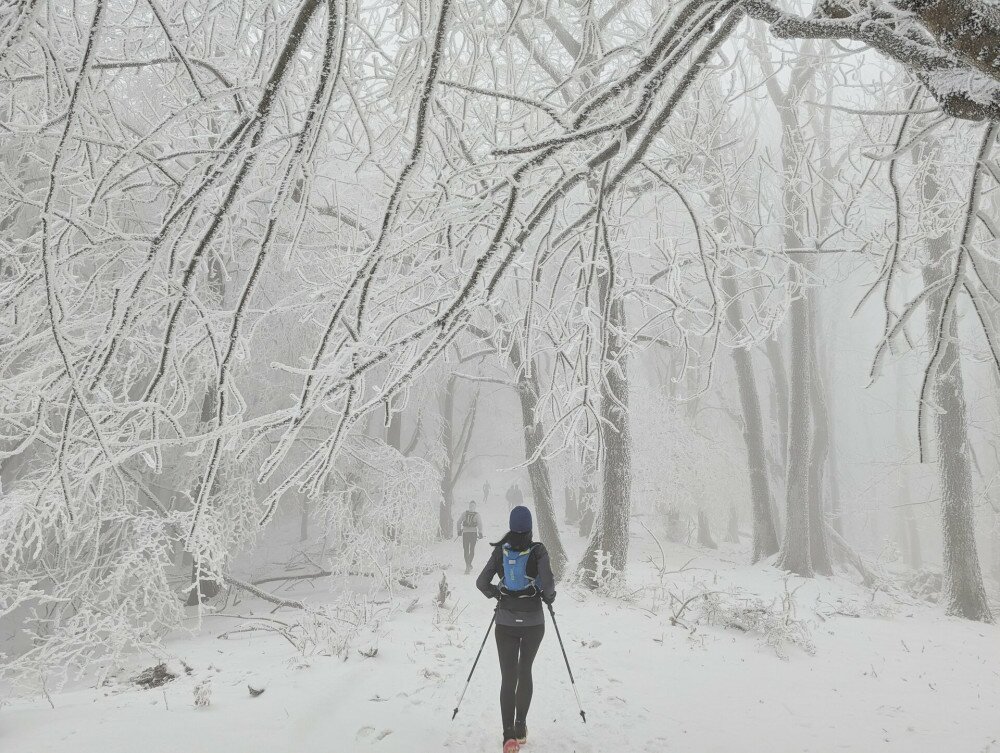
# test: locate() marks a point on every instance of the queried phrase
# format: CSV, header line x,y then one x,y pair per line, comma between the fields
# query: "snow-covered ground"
x,y
886,674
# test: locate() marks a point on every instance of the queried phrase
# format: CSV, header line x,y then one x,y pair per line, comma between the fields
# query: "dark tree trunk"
x,y
538,469
304,519
966,595
779,398
965,592
774,351
456,451
705,531
446,518
795,555
733,530
394,430
765,537
446,515
203,588
818,550
995,546
611,530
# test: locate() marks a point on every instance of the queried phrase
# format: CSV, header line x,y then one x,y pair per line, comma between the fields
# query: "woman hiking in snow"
x,y
525,582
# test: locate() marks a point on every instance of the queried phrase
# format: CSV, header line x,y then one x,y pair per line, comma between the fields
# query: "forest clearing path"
x,y
899,677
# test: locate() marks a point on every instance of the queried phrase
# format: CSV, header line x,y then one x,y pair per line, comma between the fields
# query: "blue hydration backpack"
x,y
515,569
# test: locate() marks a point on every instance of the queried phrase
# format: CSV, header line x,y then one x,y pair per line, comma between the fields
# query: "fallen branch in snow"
x,y
303,576
261,594
851,556
405,582
675,618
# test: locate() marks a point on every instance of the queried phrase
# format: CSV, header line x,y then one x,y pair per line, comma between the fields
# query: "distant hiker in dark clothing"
x,y
587,522
470,528
525,582
572,507
514,496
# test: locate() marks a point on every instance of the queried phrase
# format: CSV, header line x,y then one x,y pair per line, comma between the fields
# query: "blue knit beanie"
x,y
520,519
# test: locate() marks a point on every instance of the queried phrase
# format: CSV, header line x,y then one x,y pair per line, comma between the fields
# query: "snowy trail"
x,y
914,682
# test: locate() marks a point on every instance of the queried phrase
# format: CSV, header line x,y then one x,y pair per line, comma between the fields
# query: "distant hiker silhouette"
x,y
470,528
514,496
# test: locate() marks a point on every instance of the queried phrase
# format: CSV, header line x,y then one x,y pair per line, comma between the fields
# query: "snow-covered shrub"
x,y
384,519
89,589
924,584
773,622
97,571
610,582
203,694
333,629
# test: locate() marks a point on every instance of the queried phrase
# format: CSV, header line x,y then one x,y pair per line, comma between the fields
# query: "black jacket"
x,y
519,609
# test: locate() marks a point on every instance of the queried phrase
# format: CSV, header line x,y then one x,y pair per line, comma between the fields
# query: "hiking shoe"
x,y
521,732
510,743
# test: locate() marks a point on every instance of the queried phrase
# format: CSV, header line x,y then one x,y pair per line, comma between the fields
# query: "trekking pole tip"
x,y
582,714
454,713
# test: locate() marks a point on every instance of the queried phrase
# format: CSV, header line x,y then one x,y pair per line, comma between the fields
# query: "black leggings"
x,y
516,647
469,545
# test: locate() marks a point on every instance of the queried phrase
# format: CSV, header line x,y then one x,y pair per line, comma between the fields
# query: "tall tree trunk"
x,y
765,537
995,547
446,516
304,519
818,550
795,549
779,417
779,400
906,532
837,514
804,527
611,530
394,430
547,528
203,586
705,531
965,593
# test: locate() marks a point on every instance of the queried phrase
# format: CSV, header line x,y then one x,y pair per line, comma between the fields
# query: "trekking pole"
x,y
572,682
469,679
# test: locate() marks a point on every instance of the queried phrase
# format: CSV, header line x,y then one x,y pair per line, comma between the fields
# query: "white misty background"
x,y
284,285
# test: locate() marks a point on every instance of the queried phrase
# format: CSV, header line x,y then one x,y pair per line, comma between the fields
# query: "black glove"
x,y
494,592
549,598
